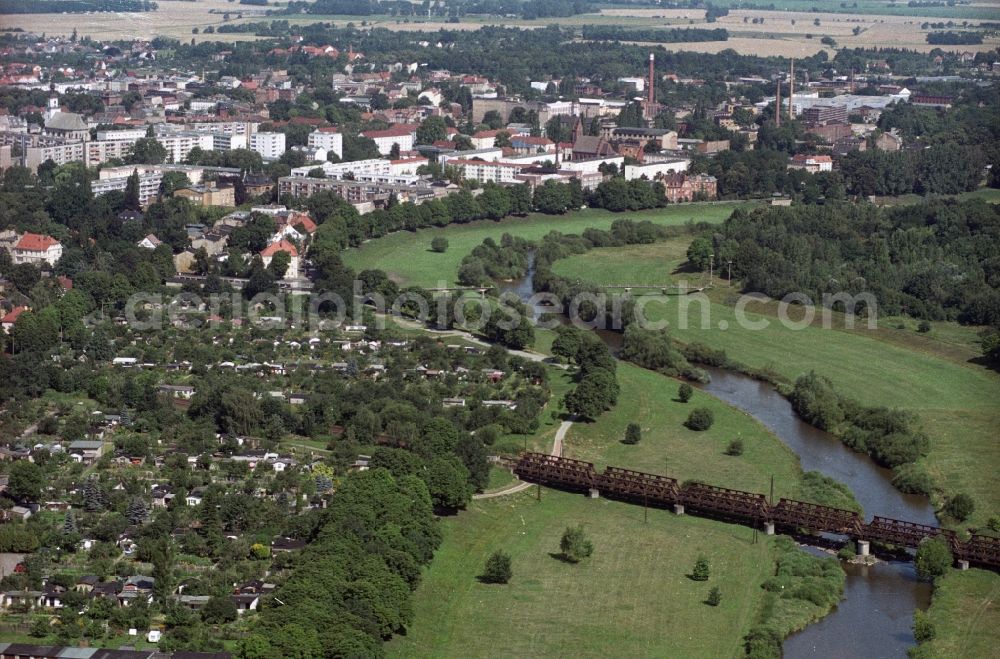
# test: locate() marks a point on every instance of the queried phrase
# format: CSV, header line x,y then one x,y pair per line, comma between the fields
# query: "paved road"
x,y
520,486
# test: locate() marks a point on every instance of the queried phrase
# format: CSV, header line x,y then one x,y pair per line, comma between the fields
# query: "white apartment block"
x,y
149,185
124,134
374,170
496,172
327,139
270,146
228,141
655,170
179,145
403,135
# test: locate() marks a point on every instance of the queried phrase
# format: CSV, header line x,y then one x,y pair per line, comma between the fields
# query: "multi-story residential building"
x,y
149,185
207,195
495,172
373,170
228,141
270,146
811,164
36,249
359,192
267,255
179,145
328,139
684,187
402,135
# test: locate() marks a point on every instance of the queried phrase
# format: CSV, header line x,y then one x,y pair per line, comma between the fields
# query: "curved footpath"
x,y
520,486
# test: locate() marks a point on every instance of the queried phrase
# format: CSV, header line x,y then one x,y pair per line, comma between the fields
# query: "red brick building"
x,y
684,187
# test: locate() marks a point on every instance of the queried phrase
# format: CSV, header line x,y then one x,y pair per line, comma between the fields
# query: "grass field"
x,y
632,598
407,257
667,447
966,613
929,374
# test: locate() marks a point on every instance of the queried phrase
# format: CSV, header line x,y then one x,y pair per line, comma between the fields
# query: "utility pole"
x,y
730,264
711,267
772,489
645,509
539,491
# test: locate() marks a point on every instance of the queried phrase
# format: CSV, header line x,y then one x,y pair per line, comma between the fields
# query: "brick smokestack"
x,y
651,92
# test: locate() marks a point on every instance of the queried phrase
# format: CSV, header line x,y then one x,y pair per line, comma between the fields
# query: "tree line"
x,y
671,35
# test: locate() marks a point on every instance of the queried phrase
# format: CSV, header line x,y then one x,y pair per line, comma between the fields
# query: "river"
x,y
874,620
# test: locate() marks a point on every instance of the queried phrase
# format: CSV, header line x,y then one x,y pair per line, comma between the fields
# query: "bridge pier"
x,y
963,565
678,508
768,528
863,547
595,493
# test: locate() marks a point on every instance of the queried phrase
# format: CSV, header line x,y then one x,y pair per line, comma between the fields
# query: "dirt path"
x,y
520,486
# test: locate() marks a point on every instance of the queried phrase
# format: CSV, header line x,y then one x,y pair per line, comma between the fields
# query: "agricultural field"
x,y
631,598
408,259
787,31
934,377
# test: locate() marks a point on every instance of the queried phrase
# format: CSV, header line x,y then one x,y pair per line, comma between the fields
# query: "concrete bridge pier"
x,y
679,508
595,493
863,547
963,565
768,528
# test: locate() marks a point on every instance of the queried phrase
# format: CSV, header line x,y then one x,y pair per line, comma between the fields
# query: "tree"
x,y
69,522
960,506
933,558
701,569
575,545
497,568
26,481
147,151
701,418
439,244
714,597
432,129
136,511
685,392
699,252
633,433
735,447
279,264
219,610
132,191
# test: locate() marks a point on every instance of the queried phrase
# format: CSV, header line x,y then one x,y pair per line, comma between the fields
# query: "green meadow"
x,y
632,598
407,257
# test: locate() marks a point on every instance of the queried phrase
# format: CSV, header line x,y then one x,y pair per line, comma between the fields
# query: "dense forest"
x,y
935,261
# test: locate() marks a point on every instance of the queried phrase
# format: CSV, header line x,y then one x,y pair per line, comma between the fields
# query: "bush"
x,y
714,597
497,569
933,558
924,327
701,569
923,628
700,419
633,433
735,447
848,551
911,479
960,506
575,545
763,643
685,392
439,244
994,524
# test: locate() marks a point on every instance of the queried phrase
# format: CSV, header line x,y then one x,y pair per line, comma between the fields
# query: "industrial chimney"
x,y
651,87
